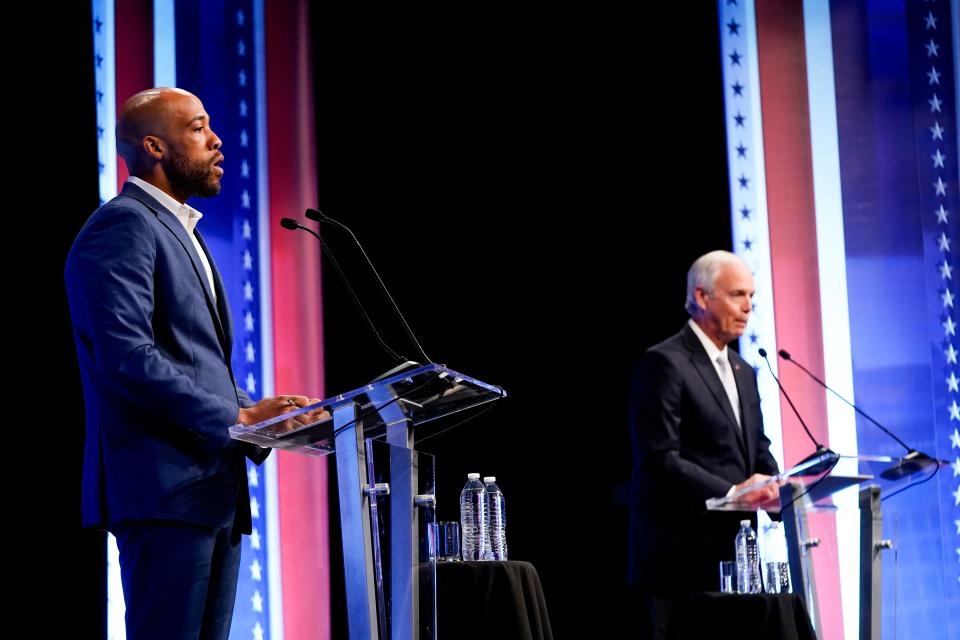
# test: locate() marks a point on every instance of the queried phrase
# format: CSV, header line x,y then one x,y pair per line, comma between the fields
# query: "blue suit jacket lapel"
x,y
176,228
223,312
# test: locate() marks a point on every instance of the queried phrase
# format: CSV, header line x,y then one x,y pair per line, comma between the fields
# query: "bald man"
x,y
697,433
153,335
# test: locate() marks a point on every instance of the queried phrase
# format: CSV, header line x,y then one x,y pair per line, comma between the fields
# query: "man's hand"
x,y
316,415
761,495
272,407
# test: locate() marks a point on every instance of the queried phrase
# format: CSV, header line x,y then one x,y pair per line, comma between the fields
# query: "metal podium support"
x,y
377,417
801,494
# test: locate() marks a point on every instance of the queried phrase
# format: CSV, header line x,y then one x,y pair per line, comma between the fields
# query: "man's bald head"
x,y
164,136
146,113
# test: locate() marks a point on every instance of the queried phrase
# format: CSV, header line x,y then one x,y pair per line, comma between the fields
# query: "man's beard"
x,y
196,178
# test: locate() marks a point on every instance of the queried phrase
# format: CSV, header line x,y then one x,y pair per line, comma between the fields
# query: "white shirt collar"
x,y
187,215
712,352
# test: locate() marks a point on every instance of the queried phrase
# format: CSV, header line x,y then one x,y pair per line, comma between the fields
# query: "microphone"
x,y
319,216
293,225
914,462
831,456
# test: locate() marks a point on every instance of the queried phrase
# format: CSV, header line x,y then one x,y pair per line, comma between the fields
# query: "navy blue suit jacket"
x,y
154,354
688,447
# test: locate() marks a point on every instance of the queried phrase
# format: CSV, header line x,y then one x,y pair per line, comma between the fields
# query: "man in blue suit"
x,y
697,433
153,336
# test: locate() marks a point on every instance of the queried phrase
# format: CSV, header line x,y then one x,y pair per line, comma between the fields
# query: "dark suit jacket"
x,y
154,354
687,448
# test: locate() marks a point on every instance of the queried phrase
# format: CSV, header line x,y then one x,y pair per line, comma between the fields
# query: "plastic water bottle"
x,y
774,560
474,519
748,560
497,512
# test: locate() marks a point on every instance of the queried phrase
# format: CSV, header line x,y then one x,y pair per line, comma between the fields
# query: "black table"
x,y
486,600
745,617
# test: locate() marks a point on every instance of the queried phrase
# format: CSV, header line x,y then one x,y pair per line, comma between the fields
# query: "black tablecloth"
x,y
487,600
744,617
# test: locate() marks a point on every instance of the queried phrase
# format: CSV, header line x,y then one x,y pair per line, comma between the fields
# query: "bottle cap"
x,y
744,523
473,476
489,479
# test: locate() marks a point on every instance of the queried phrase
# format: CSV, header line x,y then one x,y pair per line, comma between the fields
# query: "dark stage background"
x,y
532,185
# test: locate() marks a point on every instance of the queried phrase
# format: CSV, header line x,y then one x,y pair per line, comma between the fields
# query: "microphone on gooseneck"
x,y
915,461
319,216
293,225
830,457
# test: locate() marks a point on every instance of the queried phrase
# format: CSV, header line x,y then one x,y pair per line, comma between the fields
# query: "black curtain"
x,y
532,186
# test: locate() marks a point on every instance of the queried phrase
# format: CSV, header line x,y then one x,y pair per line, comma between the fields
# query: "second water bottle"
x,y
497,514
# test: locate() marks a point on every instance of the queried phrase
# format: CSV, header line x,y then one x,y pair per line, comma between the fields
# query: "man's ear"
x,y
153,146
700,297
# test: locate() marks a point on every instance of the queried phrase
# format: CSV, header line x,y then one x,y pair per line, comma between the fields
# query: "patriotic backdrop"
x,y
249,63
842,147
842,140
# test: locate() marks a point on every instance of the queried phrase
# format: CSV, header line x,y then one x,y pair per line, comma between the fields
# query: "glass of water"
x,y
728,576
449,541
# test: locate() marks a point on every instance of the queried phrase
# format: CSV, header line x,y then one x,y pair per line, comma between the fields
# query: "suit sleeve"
x,y
765,461
245,400
110,281
256,454
656,413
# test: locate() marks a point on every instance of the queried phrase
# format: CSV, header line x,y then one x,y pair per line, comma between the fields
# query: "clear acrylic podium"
x,y
804,491
387,493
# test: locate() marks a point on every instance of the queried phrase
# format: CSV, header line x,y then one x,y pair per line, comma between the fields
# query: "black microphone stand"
x,y
914,462
828,457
